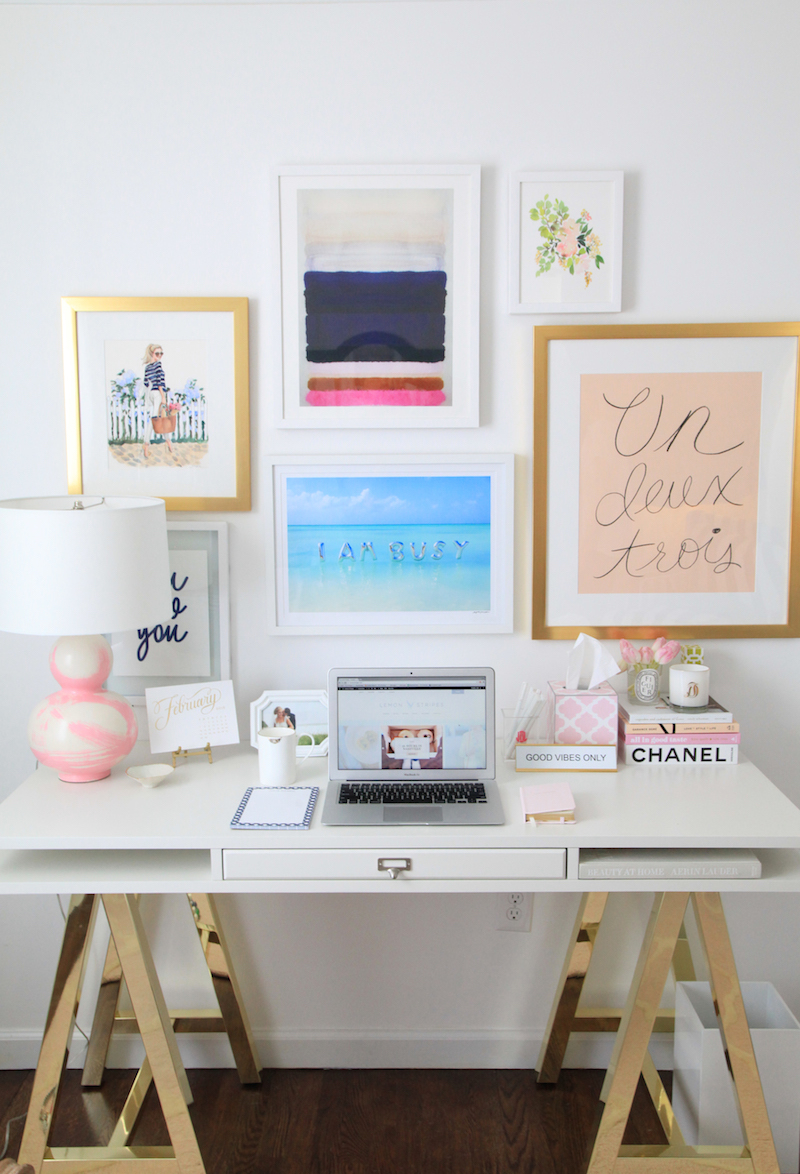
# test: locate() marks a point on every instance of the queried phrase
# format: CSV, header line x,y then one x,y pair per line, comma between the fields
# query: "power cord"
x,y
9,1123
22,1116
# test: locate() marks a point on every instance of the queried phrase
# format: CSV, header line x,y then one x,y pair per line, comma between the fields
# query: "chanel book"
x,y
696,754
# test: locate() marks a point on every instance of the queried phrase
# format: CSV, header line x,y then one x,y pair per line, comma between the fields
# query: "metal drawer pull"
x,y
394,865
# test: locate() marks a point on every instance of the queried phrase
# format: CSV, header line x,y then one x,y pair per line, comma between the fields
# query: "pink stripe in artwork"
x,y
356,397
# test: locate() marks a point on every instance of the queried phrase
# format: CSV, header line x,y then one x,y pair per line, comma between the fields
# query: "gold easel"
x,y
179,753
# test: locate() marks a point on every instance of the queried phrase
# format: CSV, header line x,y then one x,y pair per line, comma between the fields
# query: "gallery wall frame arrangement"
x,y
377,295
157,399
404,544
565,242
192,644
666,487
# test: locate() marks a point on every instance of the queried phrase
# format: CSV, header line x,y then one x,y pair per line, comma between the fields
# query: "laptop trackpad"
x,y
412,814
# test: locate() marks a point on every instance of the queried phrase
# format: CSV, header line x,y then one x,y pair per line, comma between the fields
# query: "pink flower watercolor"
x,y
568,244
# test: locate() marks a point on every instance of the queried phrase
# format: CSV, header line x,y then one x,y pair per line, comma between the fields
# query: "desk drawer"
x,y
423,864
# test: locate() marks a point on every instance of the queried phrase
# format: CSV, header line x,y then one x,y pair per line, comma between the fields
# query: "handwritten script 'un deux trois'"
x,y
668,497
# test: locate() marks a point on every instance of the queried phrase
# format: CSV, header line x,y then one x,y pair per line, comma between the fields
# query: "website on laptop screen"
x,y
400,725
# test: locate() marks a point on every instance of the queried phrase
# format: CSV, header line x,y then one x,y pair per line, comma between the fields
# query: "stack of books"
x,y
658,735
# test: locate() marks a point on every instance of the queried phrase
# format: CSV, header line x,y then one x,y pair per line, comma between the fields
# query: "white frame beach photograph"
x,y
414,543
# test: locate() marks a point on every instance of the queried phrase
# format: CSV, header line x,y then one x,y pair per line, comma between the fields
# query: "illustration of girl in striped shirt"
x,y
155,392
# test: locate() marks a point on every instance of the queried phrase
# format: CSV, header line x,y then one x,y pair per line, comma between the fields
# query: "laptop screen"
x,y
407,723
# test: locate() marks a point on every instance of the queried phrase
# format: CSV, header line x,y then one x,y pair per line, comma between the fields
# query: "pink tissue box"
x,y
585,717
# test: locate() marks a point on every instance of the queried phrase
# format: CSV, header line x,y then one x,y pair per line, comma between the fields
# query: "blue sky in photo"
x,y
337,501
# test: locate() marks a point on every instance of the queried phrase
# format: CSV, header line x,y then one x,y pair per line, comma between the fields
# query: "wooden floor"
x,y
315,1121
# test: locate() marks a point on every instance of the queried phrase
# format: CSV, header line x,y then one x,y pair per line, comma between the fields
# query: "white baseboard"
x,y
298,1048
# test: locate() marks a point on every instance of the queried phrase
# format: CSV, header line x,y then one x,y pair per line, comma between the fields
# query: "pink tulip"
x,y
629,653
667,652
645,654
657,644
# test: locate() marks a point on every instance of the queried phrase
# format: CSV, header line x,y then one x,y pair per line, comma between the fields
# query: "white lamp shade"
x,y
77,572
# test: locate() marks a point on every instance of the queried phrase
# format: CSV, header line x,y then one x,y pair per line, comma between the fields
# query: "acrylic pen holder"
x,y
522,729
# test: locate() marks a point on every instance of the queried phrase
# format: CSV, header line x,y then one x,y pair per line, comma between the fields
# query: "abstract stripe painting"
x,y
379,296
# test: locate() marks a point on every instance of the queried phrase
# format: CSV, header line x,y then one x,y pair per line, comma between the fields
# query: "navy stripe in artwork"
x,y
376,347
407,332
154,376
388,292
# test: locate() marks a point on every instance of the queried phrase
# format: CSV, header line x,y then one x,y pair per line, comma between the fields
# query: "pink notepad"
x,y
548,803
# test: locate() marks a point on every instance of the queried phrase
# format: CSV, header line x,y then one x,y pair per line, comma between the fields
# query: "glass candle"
x,y
688,686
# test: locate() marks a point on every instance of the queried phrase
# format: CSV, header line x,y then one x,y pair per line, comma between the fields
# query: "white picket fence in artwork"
x,y
126,422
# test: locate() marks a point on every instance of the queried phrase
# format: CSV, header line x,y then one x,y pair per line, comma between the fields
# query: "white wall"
x,y
136,143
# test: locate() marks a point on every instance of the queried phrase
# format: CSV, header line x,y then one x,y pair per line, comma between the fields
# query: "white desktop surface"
x,y
171,838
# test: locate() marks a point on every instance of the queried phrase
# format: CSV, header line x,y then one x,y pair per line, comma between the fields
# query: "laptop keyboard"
x,y
412,793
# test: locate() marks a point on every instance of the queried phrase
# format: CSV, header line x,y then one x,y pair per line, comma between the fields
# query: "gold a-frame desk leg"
x,y
664,946
163,1064
231,1018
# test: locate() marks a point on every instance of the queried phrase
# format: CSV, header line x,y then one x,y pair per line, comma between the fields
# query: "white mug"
x,y
277,756
688,686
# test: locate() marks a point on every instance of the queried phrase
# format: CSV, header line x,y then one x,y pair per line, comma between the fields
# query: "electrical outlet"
x,y
514,911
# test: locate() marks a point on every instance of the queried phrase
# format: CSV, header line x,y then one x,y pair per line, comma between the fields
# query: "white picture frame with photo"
x,y
307,712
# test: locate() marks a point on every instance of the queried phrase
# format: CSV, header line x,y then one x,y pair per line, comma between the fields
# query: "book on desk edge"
x,y
548,802
702,754
634,713
668,864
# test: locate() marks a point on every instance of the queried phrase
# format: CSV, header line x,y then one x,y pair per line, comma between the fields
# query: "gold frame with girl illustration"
x,y
152,385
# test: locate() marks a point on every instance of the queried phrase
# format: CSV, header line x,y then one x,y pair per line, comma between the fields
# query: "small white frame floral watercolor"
x,y
565,231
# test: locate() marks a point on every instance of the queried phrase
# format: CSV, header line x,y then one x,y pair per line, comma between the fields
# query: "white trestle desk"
x,y
109,841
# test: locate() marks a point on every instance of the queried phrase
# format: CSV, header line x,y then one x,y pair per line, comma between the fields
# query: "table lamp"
x,y
77,567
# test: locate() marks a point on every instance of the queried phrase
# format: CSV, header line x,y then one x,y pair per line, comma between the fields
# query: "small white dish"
x,y
151,774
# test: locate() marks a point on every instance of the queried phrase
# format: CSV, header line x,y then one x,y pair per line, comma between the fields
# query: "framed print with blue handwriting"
x,y
191,645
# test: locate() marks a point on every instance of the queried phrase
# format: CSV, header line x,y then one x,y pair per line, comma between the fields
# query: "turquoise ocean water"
x,y
384,584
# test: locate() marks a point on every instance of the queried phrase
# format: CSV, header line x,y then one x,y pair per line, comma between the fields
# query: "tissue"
x,y
589,664
585,706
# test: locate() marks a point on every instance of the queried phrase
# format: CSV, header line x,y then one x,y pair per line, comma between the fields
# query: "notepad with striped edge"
x,y
287,808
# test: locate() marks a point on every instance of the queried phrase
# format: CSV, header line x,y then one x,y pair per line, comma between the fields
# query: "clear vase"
x,y
644,684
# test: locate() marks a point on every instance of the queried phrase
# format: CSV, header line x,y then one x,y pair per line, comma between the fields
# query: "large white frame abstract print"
x,y
378,284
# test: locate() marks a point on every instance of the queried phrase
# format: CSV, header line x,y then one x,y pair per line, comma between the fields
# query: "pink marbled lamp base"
x,y
82,730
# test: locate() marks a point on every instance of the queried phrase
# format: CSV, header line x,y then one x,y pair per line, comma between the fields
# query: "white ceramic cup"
x,y
277,756
688,685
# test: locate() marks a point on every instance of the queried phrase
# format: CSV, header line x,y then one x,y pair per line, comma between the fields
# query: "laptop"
x,y
411,746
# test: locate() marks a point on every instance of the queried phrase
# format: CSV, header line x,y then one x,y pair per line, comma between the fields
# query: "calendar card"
x,y
189,716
